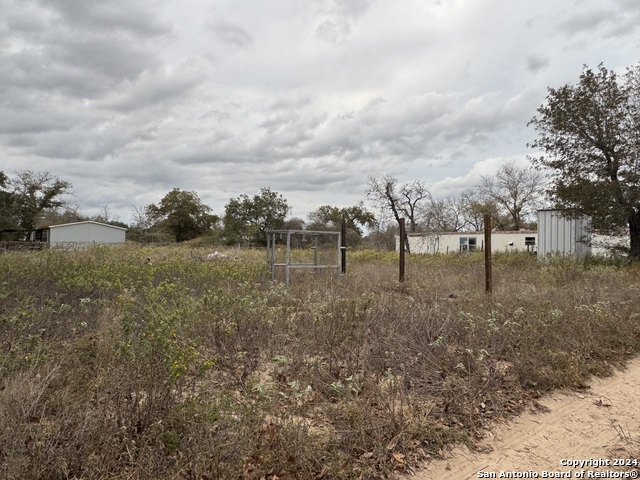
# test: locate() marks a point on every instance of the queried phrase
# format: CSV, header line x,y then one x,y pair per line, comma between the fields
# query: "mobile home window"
x,y
468,244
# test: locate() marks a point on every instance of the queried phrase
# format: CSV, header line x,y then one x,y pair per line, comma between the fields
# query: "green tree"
x,y
355,217
34,194
247,220
182,214
589,136
8,220
56,216
293,223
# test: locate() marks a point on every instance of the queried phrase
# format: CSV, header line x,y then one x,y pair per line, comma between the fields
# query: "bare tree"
x,y
401,200
515,190
143,229
446,215
474,207
104,216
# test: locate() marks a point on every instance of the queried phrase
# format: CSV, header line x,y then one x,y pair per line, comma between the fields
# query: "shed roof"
x,y
86,221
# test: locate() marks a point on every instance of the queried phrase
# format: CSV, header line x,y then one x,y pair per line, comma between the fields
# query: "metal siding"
x,y
73,233
85,233
105,234
558,234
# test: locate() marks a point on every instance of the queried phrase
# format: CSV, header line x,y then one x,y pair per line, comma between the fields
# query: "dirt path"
x,y
602,423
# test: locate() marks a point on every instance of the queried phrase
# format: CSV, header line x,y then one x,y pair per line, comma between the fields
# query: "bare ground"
x,y
602,422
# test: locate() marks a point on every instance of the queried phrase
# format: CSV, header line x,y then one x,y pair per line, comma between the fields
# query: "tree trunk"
x,y
634,235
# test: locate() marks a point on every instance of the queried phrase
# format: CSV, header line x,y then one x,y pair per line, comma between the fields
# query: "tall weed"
x,y
143,362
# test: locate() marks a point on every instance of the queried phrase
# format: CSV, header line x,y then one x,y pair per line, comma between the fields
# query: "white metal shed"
x,y
560,234
79,234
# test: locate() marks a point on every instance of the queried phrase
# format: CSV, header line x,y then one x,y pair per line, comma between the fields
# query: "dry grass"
x,y
141,363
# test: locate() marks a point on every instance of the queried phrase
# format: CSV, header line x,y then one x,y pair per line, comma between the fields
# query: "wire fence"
x,y
14,245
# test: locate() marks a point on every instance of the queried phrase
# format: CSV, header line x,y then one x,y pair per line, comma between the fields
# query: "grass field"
x,y
143,363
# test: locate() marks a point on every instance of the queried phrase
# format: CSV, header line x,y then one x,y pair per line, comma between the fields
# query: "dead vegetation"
x,y
141,363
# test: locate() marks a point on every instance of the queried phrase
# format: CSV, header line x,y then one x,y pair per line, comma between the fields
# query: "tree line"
x,y
588,163
181,215
511,197
39,199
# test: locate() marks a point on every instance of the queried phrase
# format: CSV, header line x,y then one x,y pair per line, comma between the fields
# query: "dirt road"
x,y
594,427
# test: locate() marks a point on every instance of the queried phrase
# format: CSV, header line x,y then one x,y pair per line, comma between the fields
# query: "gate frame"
x,y
340,265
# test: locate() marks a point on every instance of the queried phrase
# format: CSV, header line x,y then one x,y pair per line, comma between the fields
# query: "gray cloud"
x,y
536,62
232,34
617,22
586,21
128,99
155,88
76,50
135,18
334,30
341,18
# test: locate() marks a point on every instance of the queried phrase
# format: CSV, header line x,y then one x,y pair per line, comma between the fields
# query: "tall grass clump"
x,y
144,362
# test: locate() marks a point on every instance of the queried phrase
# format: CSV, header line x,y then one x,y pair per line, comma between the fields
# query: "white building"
x,y
556,234
607,245
80,234
460,242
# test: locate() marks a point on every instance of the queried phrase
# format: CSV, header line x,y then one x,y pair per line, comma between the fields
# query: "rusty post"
x,y
403,236
488,284
343,248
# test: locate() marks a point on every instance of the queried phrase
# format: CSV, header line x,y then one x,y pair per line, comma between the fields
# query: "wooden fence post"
x,y
488,284
403,237
343,247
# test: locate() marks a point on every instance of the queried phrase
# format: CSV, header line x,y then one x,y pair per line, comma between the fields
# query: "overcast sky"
x,y
127,99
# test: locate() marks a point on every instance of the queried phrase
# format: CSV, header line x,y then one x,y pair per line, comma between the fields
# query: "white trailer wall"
x,y
431,243
514,241
608,245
